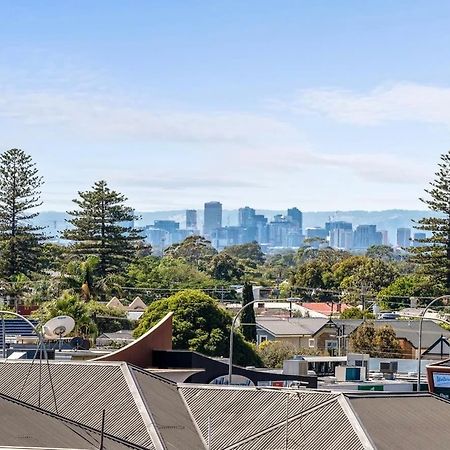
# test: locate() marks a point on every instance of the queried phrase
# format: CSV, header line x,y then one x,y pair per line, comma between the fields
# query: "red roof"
x,y
325,308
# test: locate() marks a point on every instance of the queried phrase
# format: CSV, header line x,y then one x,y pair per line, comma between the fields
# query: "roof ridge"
x,y
356,422
143,407
150,374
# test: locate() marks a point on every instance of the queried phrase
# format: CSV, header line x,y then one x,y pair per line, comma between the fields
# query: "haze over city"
x,y
321,105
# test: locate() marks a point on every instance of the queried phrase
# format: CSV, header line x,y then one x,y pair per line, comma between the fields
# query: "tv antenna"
x,y
55,328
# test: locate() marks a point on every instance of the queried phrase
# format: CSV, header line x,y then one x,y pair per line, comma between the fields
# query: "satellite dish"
x,y
58,327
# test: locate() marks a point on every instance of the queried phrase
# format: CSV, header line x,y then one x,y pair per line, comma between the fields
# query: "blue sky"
x,y
320,104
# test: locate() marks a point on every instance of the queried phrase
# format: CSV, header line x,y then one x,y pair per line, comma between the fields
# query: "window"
x,y
262,338
311,343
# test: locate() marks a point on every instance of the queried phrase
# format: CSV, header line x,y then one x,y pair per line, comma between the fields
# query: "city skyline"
x,y
324,105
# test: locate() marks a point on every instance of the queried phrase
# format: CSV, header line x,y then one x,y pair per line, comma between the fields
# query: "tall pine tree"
x,y
102,227
433,253
248,318
20,241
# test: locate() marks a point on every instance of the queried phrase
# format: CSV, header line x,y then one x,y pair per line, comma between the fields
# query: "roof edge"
x,y
143,408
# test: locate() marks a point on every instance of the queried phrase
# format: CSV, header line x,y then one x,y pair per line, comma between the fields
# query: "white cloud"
x,y
398,102
101,117
373,167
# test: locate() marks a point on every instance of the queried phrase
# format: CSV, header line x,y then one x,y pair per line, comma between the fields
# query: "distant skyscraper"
x,y
246,217
212,217
385,234
295,216
191,219
167,225
338,225
404,237
316,232
365,236
341,239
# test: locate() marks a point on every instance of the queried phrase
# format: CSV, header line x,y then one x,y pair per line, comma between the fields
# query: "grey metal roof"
x,y
22,425
141,407
295,326
82,391
169,412
404,422
255,418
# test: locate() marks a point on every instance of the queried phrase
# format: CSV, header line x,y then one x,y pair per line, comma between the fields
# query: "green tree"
x,y
199,324
69,304
347,267
166,273
384,252
108,320
100,229
386,343
356,313
399,292
273,353
368,280
362,339
20,241
248,314
226,268
433,255
250,253
314,273
378,342
196,250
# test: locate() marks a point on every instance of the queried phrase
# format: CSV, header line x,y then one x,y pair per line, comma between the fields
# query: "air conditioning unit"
x,y
346,373
295,367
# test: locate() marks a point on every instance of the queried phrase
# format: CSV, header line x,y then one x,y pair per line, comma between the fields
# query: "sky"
x,y
323,105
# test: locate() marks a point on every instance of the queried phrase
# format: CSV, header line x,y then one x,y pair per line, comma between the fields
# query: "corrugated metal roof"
x,y
252,418
22,425
404,422
82,391
168,411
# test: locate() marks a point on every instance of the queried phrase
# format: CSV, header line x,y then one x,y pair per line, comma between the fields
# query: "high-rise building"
x,y
385,234
338,225
341,239
212,217
167,225
246,217
191,219
365,236
403,237
295,216
261,229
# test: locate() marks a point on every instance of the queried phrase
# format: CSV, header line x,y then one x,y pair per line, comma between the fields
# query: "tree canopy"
x,y
199,324
102,227
20,241
195,250
248,318
433,253
378,342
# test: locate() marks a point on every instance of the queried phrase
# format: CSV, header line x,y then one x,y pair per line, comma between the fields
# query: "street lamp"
x,y
420,335
233,323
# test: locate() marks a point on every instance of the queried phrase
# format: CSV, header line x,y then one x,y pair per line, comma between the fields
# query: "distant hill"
x,y
388,220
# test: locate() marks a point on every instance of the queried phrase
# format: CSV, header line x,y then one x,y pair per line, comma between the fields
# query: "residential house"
x,y
303,333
